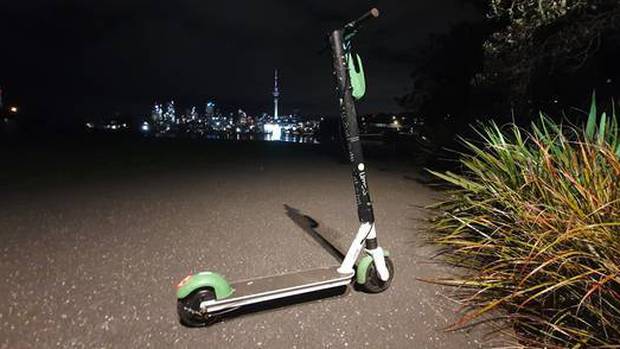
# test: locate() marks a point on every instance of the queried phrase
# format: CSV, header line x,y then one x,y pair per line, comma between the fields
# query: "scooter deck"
x,y
279,286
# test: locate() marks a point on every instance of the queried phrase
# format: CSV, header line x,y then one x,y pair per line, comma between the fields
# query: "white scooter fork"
x,y
366,231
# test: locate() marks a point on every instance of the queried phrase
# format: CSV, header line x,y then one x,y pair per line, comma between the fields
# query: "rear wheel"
x,y
374,284
189,310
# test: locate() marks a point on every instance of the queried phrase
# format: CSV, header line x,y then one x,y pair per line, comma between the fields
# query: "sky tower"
x,y
276,94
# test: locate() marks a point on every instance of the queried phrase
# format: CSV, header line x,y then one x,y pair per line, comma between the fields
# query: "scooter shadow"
x,y
330,239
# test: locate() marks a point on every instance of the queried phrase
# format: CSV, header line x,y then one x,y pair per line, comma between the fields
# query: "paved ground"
x,y
94,238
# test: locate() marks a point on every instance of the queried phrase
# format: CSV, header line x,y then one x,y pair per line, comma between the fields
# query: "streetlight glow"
x,y
13,109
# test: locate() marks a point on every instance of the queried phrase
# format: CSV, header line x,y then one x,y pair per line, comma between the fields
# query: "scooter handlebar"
x,y
354,25
351,28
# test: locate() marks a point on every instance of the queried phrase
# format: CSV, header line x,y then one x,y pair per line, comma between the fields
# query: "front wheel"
x,y
373,283
189,310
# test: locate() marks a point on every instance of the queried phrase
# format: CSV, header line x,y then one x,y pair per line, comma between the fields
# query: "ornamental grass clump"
x,y
534,220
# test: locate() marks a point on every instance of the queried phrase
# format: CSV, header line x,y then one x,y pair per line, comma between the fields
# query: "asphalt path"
x,y
95,237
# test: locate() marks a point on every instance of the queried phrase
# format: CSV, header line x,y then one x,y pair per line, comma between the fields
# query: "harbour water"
x,y
268,137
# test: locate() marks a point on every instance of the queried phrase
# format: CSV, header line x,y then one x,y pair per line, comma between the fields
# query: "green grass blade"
x,y
602,128
591,125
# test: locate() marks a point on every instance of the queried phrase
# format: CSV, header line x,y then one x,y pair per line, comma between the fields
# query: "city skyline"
x,y
187,51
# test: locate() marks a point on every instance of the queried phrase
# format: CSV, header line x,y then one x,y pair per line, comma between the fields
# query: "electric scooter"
x,y
203,296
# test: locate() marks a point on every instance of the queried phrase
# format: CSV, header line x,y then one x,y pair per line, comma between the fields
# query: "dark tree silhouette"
x,y
525,57
444,80
542,40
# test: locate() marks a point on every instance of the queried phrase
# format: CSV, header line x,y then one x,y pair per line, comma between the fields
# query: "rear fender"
x,y
206,279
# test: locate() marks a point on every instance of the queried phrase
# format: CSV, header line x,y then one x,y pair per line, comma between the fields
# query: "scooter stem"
x,y
348,115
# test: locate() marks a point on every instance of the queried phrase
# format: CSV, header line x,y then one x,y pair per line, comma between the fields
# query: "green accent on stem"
x,y
363,265
358,79
220,286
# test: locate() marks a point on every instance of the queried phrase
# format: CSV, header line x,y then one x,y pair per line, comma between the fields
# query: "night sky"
x,y
76,57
